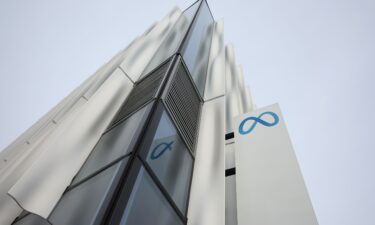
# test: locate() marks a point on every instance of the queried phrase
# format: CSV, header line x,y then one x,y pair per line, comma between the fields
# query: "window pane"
x,y
147,205
190,12
197,48
171,43
171,162
32,219
114,144
85,203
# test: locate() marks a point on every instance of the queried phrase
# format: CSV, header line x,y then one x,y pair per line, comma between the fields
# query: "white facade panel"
x,y
9,210
169,45
141,52
270,187
215,81
10,153
40,188
207,194
238,100
229,156
230,200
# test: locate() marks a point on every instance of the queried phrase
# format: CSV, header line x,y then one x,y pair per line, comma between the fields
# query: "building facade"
x,y
145,140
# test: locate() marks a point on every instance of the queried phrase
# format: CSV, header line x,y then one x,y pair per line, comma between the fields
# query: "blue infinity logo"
x,y
258,120
164,147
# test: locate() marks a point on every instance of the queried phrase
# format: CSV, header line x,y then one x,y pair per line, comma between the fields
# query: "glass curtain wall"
x,y
157,187
174,39
140,171
191,37
157,184
195,50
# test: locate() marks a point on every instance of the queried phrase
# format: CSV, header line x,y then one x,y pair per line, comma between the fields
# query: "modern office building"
x,y
149,139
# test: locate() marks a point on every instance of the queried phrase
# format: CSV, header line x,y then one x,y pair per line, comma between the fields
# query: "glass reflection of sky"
x,y
170,161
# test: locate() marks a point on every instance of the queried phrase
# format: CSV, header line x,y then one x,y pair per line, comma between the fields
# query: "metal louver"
x,y
183,102
145,90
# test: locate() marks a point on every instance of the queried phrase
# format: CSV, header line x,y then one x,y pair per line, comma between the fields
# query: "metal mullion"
x,y
128,116
97,172
191,79
153,70
179,50
191,5
111,211
209,51
124,189
164,192
208,6
166,83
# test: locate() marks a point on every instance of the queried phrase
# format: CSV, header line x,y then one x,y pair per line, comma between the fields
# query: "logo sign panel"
x,y
269,185
257,120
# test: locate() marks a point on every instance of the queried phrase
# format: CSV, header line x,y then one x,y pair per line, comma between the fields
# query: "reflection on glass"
x,y
171,162
147,205
171,43
190,12
86,203
113,144
197,48
32,219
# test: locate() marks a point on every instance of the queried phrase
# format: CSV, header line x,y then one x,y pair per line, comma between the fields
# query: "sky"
x,y
316,58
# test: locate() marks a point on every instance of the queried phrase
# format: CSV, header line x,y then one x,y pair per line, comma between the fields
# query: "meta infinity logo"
x,y
258,120
163,146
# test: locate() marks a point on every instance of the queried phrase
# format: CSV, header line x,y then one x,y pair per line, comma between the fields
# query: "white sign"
x,y
270,186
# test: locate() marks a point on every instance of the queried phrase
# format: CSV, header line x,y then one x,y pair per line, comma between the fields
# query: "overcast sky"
x,y
315,57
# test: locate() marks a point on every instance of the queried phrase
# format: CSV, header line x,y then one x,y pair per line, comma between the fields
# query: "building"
x,y
147,139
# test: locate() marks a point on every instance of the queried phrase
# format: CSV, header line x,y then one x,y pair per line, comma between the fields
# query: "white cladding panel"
x,y
215,81
270,187
207,193
238,99
42,185
230,200
143,49
229,156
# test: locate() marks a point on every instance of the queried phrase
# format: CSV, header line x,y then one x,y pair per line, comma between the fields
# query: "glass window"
x,y
171,43
147,205
171,162
85,203
114,144
196,49
190,12
31,219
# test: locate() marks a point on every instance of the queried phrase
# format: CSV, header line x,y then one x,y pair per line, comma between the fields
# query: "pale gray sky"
x,y
315,57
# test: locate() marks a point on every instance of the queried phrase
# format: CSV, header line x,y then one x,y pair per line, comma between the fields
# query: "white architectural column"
x,y
207,194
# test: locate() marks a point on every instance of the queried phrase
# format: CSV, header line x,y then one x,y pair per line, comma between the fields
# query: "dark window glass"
x,y
114,144
147,205
31,219
196,49
170,161
87,202
173,40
